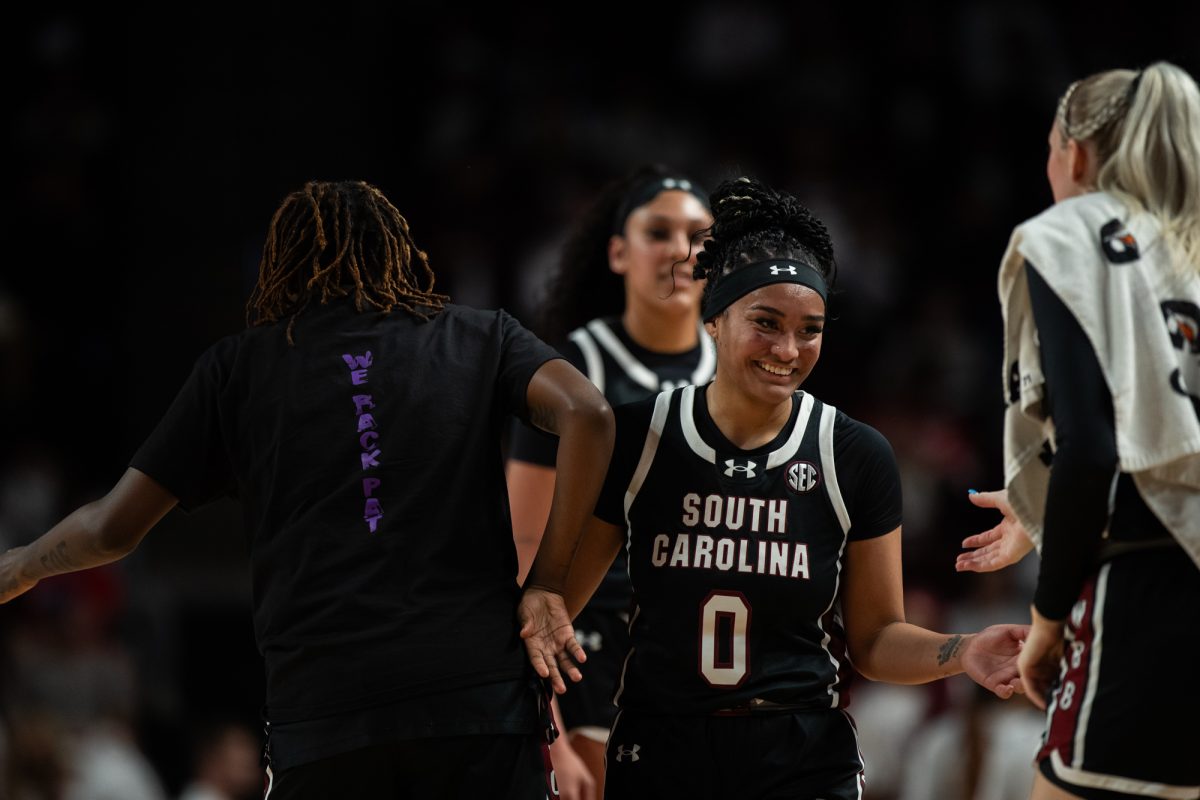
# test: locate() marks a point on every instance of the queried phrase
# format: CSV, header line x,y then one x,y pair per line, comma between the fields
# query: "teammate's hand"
x,y
549,637
11,583
990,659
1040,659
574,780
1005,544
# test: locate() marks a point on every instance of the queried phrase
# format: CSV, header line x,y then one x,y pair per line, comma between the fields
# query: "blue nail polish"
x,y
972,491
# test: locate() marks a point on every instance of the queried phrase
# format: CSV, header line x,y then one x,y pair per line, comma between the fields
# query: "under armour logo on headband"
x,y
729,287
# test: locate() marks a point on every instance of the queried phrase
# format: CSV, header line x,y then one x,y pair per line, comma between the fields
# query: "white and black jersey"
x,y
736,557
624,372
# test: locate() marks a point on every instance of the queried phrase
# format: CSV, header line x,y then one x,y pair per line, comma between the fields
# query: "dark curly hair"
x,y
338,239
753,222
584,287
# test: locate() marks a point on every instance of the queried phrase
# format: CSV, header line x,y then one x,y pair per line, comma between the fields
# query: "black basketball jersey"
x,y
736,557
623,372
623,377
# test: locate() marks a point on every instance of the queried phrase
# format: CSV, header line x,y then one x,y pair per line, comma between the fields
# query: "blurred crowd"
x,y
146,158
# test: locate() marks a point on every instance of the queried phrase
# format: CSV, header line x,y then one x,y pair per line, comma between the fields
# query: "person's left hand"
x,y
12,585
990,659
994,549
550,637
1040,658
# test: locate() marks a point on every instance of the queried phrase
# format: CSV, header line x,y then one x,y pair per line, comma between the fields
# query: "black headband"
x,y
735,285
643,192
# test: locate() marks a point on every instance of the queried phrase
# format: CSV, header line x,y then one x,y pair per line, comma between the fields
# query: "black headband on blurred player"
x,y
644,191
737,284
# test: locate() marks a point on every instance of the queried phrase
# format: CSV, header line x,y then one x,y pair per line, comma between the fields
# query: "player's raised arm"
x,y
884,647
996,548
97,533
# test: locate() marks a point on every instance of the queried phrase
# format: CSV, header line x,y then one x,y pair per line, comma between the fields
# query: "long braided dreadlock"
x,y
334,239
753,222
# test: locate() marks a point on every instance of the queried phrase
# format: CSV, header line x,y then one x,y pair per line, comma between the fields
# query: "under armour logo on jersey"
x,y
1119,245
631,753
789,269
745,470
802,476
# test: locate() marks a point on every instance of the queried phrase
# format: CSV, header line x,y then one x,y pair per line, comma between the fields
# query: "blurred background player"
x,y
626,308
225,764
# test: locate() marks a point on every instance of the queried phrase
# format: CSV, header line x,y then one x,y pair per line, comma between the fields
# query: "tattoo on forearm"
x,y
57,559
542,419
950,649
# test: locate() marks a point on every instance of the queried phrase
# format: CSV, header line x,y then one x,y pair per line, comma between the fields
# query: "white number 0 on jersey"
x,y
729,671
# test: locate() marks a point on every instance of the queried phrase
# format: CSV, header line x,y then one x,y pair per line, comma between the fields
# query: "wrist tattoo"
x,y
950,649
57,559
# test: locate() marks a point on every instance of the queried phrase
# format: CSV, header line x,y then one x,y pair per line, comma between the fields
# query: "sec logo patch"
x,y
802,477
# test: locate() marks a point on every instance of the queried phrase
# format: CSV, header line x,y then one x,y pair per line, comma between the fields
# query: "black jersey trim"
x,y
781,455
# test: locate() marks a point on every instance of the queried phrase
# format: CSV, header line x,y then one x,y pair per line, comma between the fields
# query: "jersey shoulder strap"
x,y
829,465
654,433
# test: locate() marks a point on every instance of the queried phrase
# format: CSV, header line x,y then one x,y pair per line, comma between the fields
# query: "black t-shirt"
x,y
624,371
736,556
367,459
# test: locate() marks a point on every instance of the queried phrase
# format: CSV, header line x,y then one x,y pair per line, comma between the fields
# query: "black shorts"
x,y
588,707
759,755
1121,720
514,767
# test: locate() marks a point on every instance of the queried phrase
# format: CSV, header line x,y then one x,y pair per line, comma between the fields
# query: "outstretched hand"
x,y
991,659
550,637
1005,544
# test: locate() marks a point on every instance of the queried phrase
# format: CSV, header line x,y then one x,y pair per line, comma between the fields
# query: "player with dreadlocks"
x,y
359,419
375,258
762,528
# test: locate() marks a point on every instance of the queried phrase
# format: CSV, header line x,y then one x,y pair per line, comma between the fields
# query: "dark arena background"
x,y
147,149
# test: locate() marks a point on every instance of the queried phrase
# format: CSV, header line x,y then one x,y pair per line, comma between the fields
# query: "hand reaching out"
x,y
549,637
991,656
1005,544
